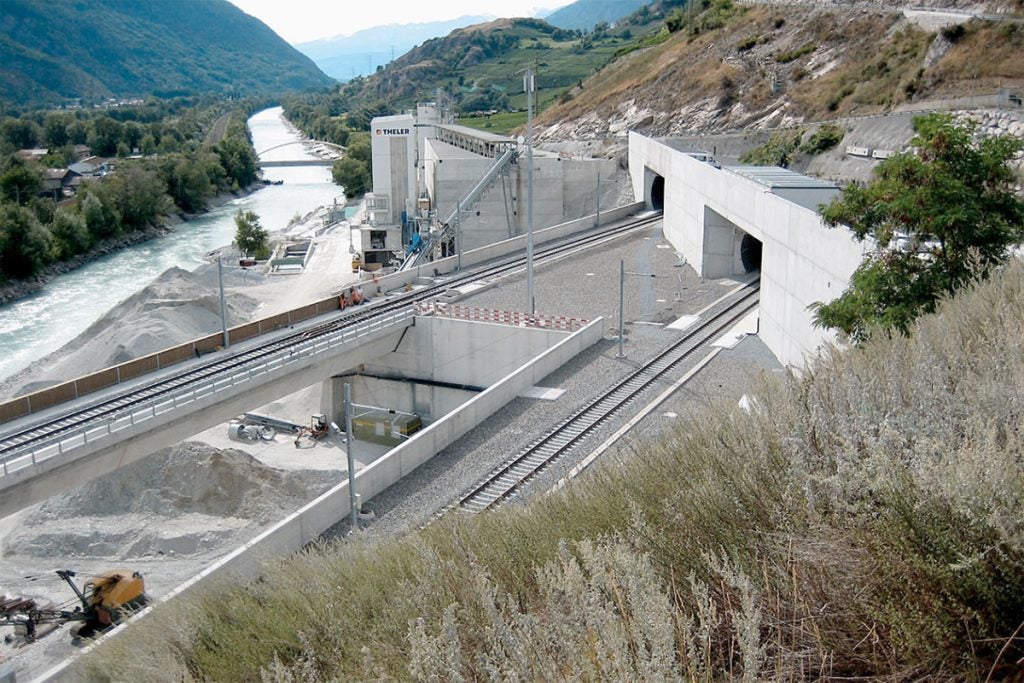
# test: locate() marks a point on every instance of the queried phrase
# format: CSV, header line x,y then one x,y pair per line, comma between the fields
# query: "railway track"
x,y
17,441
504,481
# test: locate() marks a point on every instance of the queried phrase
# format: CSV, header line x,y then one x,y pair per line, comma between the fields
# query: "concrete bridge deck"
x,y
298,162
114,438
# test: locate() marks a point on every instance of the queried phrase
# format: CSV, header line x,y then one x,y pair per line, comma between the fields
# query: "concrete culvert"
x,y
750,253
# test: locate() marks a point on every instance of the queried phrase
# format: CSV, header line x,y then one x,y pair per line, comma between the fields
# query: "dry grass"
x,y
864,520
987,57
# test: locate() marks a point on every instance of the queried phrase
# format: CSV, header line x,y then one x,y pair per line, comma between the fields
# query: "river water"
x,y
37,325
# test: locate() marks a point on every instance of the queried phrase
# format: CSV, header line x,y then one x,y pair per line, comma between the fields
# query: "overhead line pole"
x,y
529,83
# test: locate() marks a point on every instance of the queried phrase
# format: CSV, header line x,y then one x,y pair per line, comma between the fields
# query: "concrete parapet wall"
x,y
464,352
309,522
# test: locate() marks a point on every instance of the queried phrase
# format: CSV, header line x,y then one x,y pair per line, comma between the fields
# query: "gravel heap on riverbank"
x,y
176,307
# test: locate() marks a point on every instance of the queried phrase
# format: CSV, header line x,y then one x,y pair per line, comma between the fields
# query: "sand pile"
x,y
184,500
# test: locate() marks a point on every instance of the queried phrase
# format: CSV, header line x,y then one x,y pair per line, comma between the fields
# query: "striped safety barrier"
x,y
492,315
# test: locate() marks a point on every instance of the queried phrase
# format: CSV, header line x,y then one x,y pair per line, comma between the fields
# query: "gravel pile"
x,y
184,500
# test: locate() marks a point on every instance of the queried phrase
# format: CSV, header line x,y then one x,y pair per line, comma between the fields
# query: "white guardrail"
x,y
148,410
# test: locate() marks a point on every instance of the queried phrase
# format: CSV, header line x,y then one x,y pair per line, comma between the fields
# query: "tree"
x,y
56,126
70,234
353,172
250,236
238,160
18,182
101,218
939,216
139,195
25,245
352,175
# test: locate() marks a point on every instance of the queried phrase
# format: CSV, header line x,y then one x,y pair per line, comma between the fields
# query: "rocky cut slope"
x,y
735,66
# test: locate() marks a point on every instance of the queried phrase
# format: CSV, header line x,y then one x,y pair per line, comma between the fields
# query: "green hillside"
x,y
479,66
56,51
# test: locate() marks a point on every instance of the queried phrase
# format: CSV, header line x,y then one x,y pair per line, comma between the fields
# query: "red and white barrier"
x,y
491,315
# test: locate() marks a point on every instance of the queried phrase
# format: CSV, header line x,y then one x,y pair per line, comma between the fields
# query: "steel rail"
x,y
506,479
15,443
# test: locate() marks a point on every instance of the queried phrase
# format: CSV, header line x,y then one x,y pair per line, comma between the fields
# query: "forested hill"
x,y
54,51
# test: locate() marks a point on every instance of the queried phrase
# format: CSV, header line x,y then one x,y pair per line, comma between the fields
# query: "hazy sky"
x,y
299,21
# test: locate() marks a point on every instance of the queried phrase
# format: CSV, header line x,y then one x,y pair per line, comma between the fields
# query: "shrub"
x,y
796,53
778,151
825,138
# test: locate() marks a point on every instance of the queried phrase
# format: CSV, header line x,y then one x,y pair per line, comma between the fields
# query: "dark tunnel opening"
x,y
658,193
750,253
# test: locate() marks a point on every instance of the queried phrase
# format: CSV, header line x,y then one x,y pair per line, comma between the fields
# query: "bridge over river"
x,y
272,163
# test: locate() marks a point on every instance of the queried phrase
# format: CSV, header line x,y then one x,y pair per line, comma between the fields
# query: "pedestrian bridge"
x,y
272,163
298,162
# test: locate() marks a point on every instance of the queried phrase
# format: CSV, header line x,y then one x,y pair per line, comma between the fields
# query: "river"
x,y
41,323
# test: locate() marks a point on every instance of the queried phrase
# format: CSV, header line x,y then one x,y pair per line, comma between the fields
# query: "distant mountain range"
x,y
585,14
54,51
345,57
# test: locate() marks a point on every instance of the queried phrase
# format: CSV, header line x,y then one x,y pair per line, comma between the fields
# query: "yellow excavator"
x,y
106,600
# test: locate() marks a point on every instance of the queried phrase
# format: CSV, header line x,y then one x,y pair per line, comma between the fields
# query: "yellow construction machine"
x,y
106,599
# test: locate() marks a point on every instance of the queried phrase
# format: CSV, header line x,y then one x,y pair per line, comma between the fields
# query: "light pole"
x,y
622,302
529,84
223,307
353,507
597,221
458,235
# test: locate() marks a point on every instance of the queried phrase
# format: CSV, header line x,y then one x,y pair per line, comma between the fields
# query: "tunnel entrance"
x,y
750,253
658,193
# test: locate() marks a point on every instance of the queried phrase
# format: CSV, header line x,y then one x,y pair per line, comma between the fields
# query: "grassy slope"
x,y
865,520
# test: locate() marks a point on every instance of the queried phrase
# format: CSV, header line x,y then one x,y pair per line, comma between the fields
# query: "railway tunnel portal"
x,y
726,222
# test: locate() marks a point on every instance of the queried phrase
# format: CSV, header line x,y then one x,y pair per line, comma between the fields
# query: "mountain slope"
x,y
345,57
741,66
55,51
585,14
480,66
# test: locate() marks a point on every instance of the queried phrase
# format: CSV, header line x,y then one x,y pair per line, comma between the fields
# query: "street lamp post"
x,y
458,235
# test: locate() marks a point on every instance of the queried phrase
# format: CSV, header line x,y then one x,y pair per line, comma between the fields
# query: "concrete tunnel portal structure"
x,y
727,222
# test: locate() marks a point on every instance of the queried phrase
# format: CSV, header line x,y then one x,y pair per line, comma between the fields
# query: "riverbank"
x,y
15,290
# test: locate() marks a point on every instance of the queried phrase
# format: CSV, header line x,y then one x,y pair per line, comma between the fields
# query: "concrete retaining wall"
x,y
308,523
